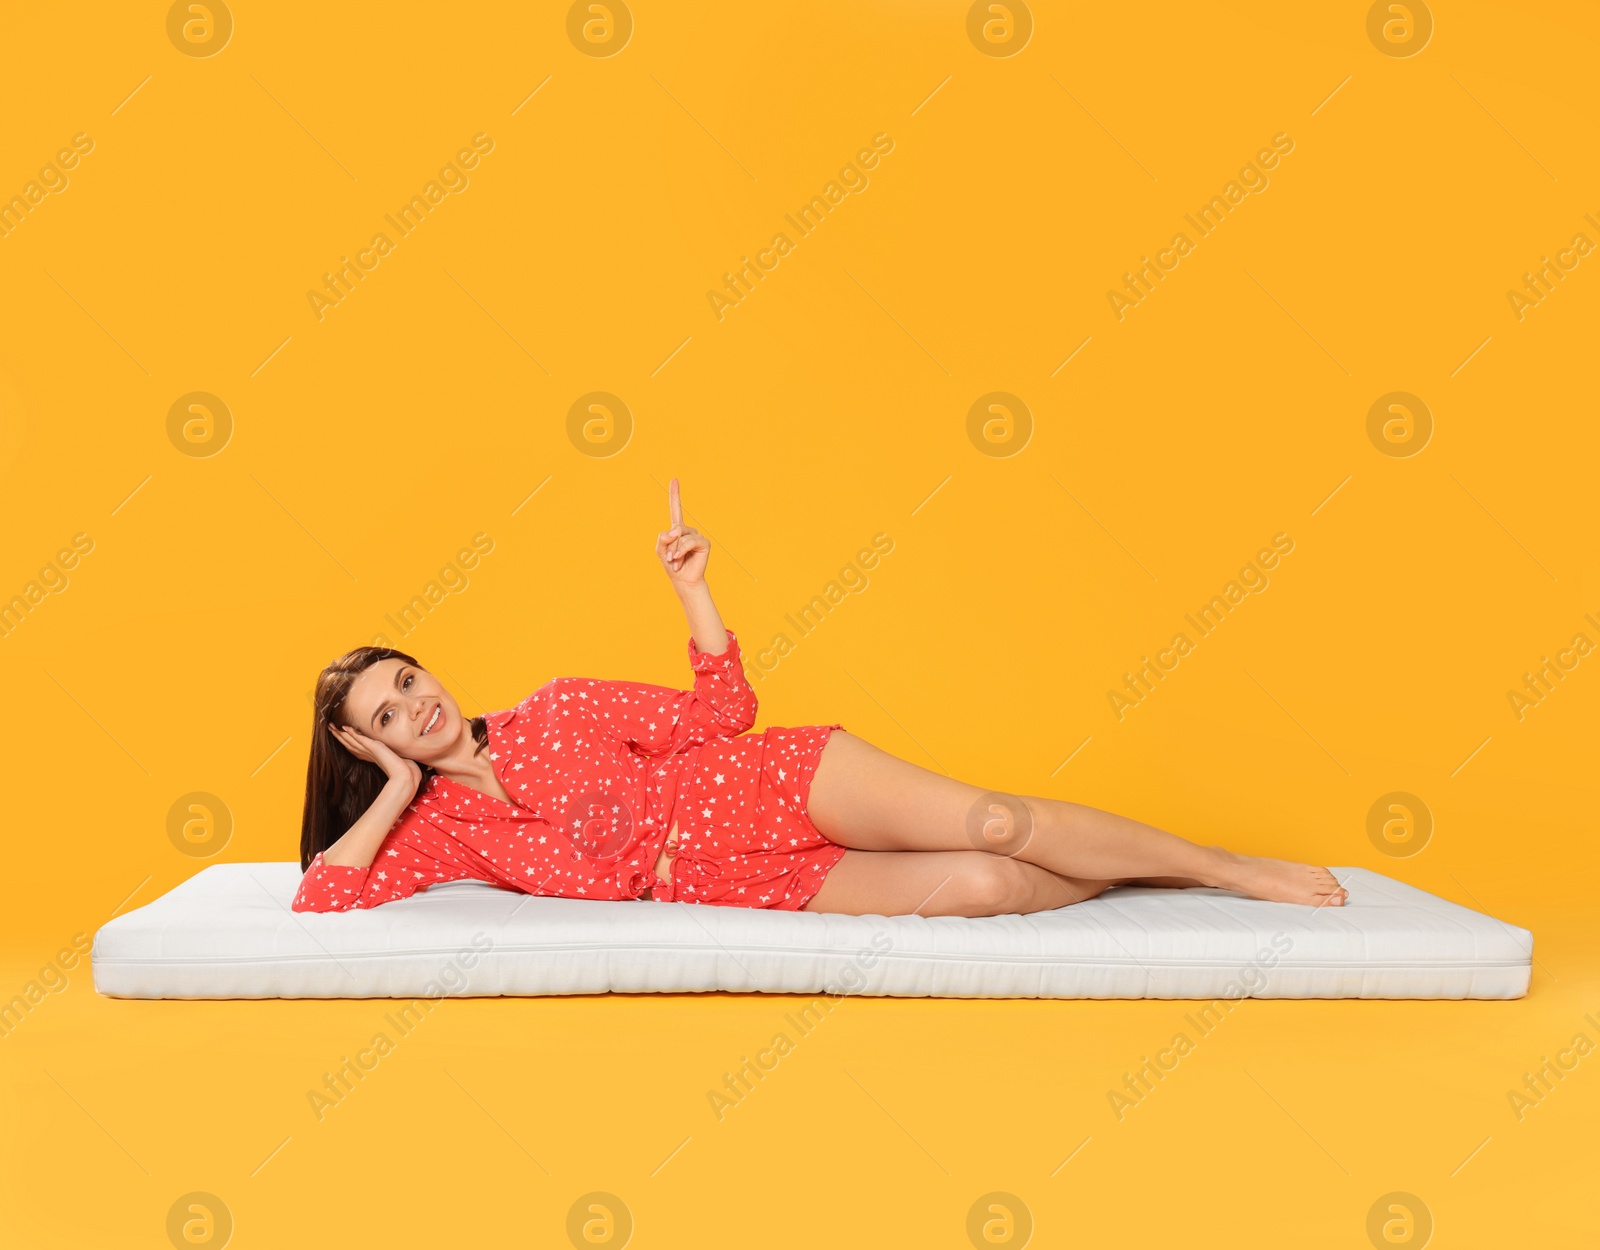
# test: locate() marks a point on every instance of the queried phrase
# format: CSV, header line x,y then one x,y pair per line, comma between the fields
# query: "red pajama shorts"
x,y
744,839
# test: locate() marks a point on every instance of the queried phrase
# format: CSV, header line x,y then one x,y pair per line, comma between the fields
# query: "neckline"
x,y
496,721
477,793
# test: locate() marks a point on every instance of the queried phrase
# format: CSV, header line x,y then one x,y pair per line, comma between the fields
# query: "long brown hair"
x,y
339,786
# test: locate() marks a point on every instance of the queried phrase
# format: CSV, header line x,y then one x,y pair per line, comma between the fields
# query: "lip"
x,y
432,723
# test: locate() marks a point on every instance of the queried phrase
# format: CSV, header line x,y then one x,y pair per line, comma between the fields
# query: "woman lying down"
x,y
622,790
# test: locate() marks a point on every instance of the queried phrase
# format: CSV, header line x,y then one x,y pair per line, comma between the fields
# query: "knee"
x,y
992,885
1000,823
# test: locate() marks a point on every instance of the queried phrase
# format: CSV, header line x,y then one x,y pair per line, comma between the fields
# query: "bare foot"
x,y
1281,881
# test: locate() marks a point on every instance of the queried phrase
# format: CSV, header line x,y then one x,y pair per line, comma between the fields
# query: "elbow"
x,y
323,896
735,721
330,905
747,718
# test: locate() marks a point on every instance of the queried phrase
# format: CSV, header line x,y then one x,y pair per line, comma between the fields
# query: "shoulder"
x,y
529,703
563,690
560,696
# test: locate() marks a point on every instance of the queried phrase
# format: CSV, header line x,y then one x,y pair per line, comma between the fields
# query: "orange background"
x,y
830,405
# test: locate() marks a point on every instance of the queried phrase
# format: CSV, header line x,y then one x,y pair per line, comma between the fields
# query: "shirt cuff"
x,y
326,875
700,662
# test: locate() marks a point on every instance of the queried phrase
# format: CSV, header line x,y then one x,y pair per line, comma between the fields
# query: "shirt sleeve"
x,y
397,871
659,720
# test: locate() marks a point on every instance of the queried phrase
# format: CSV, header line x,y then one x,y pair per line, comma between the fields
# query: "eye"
x,y
384,719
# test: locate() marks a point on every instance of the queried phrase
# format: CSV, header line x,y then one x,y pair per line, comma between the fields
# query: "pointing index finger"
x,y
674,503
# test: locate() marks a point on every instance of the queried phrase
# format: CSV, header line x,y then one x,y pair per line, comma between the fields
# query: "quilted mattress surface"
x,y
228,932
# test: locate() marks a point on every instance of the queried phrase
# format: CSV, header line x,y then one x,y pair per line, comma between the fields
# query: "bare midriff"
x,y
663,867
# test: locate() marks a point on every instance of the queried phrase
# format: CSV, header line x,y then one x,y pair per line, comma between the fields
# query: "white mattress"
x,y
228,932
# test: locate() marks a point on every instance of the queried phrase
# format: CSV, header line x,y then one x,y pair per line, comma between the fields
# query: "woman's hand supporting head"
x,y
395,767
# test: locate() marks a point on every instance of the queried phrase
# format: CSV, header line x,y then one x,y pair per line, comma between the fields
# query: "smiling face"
x,y
405,708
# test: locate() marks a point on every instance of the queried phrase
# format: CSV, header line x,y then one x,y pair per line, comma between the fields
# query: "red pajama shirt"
x,y
598,771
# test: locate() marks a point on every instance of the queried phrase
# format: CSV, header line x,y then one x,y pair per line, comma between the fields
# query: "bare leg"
x,y
944,883
866,799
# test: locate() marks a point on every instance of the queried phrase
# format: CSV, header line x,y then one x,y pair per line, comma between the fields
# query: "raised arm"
x,y
684,551
661,720
658,720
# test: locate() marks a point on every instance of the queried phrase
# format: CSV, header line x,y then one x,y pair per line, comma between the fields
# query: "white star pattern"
x,y
643,756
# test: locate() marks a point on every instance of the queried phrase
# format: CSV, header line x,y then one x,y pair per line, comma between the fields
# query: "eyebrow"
x,y
398,673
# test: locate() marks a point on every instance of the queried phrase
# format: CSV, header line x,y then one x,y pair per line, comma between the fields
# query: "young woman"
x,y
621,790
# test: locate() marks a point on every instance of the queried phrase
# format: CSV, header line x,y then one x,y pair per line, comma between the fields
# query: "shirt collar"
x,y
499,720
